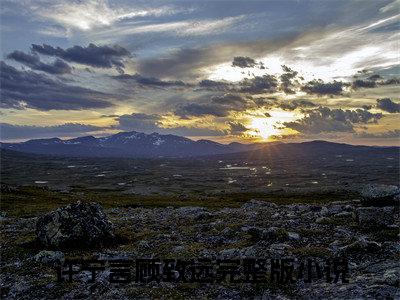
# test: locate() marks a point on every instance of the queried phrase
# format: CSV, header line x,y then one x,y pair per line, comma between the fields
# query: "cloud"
x,y
10,131
296,104
236,128
243,62
216,85
139,122
33,62
324,119
259,84
153,123
321,88
149,81
391,134
92,55
219,106
359,83
192,63
286,78
88,15
234,101
197,110
373,81
21,89
388,105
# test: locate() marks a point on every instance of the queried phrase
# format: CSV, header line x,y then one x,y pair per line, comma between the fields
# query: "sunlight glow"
x,y
263,127
266,127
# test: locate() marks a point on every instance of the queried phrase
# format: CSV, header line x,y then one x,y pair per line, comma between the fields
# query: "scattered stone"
x,y
275,234
361,246
293,236
254,204
375,216
51,258
392,277
79,224
229,253
380,195
344,214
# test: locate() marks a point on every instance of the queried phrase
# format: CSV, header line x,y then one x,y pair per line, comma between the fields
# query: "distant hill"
x,y
140,145
127,144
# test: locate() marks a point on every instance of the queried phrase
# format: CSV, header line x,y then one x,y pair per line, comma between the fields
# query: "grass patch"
x,y
305,252
33,201
338,221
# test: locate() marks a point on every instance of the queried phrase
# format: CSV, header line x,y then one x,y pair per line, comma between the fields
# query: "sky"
x,y
244,71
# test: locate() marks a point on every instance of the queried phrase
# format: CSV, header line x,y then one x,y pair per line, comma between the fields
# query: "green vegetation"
x,y
312,251
32,201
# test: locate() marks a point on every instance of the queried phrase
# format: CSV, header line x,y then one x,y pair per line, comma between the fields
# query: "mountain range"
x,y
141,145
127,144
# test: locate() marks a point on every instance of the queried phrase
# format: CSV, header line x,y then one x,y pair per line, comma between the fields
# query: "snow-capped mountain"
x,y
127,144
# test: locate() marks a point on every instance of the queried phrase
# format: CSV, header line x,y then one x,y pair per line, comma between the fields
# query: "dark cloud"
x,y
149,81
33,61
296,104
219,106
139,122
243,62
259,84
92,55
232,100
236,128
189,63
181,63
287,83
388,105
192,131
324,119
359,83
265,102
373,81
374,77
216,85
152,123
200,109
390,81
10,132
21,89
391,134
319,87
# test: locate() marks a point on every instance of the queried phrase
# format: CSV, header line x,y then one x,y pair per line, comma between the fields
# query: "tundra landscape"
x,y
216,149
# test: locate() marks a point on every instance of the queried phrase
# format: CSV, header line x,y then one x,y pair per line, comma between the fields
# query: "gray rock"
x,y
344,214
279,249
392,277
79,224
51,258
293,236
254,204
380,195
275,234
368,217
230,253
360,246
253,231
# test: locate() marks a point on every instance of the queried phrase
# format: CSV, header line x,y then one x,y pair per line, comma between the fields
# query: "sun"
x,y
263,127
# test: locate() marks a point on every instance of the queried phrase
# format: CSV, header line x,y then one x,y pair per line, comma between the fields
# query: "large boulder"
x,y
360,246
380,195
79,224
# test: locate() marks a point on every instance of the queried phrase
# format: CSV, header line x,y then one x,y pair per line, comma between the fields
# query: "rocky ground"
x,y
365,231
